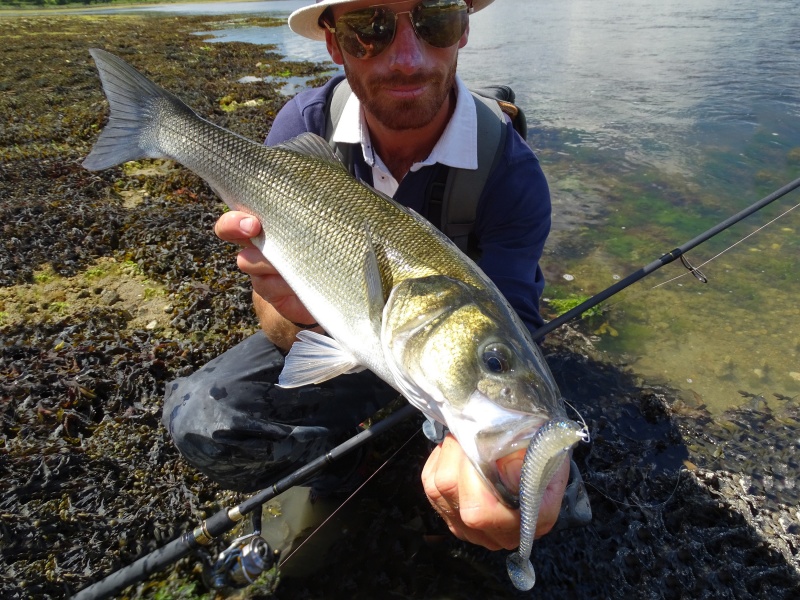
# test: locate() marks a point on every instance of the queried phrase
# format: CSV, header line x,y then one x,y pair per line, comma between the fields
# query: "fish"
x,y
393,294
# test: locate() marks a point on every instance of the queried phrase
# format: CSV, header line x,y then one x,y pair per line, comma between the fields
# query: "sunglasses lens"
x,y
365,33
441,23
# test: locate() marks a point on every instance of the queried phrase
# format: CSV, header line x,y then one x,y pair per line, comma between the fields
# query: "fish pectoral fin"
x,y
376,299
315,358
313,145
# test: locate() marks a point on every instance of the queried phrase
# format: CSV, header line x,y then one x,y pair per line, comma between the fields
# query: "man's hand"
x,y
470,509
275,303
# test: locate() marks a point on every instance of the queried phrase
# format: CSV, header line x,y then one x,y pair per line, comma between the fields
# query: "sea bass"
x,y
392,292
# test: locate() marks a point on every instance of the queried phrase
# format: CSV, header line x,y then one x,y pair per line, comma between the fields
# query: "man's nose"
x,y
406,51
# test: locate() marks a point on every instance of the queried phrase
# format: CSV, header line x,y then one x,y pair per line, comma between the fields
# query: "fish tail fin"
x,y
521,572
136,105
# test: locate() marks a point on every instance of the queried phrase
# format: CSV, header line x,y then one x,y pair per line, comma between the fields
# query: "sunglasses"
x,y
367,32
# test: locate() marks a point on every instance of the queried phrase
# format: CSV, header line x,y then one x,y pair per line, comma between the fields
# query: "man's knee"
x,y
227,385
182,413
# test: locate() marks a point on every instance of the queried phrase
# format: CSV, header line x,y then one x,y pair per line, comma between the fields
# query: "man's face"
x,y
407,84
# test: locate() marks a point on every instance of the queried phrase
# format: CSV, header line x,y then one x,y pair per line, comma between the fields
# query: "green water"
x,y
723,342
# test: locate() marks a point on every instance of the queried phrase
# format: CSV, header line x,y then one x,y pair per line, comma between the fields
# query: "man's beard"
x,y
403,114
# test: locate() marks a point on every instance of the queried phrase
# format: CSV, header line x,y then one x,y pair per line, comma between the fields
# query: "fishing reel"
x,y
240,564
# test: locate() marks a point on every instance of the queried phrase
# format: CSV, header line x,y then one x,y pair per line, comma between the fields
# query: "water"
x,y
643,77
659,120
654,121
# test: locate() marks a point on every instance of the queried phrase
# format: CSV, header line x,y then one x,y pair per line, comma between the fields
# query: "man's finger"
x,y
237,227
490,523
251,261
446,507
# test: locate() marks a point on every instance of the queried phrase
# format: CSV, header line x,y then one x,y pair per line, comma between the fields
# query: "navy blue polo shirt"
x,y
513,214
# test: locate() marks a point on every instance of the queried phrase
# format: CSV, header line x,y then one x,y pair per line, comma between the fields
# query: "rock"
x,y
110,297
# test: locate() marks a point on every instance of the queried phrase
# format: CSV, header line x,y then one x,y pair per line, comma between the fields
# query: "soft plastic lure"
x,y
544,456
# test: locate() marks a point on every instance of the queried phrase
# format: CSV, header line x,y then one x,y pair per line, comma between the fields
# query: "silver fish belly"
x,y
545,454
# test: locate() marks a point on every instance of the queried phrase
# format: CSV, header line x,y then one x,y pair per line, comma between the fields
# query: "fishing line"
x,y
764,226
350,497
226,519
602,492
695,270
585,435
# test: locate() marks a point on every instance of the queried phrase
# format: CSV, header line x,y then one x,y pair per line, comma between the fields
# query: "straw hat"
x,y
305,21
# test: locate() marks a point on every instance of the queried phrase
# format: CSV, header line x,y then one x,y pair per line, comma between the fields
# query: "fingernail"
x,y
248,225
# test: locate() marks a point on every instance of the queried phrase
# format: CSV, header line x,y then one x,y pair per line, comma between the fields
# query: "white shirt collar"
x,y
457,147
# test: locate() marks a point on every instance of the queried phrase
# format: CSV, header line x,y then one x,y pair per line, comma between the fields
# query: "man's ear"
x,y
333,48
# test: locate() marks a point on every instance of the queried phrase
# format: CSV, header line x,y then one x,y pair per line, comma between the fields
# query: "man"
x,y
409,114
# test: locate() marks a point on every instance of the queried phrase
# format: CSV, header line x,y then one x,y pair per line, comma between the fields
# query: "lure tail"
x,y
137,108
521,571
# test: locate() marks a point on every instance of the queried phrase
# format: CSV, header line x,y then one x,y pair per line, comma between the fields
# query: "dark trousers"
x,y
233,423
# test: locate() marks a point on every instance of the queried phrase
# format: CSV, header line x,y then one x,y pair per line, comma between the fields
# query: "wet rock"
x,y
110,297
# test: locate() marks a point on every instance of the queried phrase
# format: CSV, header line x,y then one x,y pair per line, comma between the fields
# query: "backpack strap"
x,y
463,187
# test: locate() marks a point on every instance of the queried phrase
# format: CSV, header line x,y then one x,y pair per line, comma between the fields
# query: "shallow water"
x,y
654,121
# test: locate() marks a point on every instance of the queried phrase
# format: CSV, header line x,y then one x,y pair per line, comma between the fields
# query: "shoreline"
x,y
78,8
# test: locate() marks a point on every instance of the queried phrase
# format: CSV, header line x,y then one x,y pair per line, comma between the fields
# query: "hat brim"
x,y
305,21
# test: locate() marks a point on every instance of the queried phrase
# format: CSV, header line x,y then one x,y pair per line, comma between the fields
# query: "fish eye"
x,y
496,358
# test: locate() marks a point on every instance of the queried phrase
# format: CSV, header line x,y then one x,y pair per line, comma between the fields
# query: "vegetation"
x,y
100,297
564,305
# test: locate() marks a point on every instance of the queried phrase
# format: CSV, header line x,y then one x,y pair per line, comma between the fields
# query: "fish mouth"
x,y
508,437
500,447
490,433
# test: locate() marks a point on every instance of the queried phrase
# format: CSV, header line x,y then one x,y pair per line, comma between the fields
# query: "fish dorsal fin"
x,y
312,145
315,358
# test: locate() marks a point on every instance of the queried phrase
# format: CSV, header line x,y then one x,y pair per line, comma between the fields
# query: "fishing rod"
x,y
664,260
249,556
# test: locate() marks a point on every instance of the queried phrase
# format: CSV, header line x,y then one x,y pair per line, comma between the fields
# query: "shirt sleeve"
x,y
512,224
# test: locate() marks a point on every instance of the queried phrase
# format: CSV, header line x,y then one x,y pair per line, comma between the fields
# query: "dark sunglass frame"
x,y
367,32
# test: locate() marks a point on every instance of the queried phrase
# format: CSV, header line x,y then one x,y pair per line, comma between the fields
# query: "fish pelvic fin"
x,y
135,103
521,572
315,358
